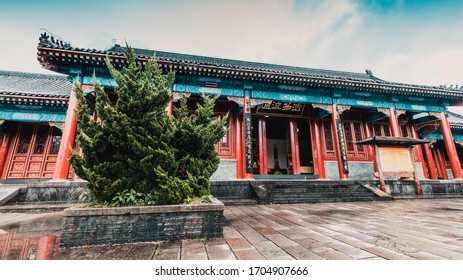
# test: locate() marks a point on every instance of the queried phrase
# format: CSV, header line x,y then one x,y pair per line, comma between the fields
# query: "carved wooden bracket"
x,y
1,122
427,127
325,107
435,114
236,99
58,125
400,112
87,88
384,111
256,102
342,108
176,96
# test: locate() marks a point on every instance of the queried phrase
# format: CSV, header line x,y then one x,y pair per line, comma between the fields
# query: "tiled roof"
x,y
52,53
245,65
455,120
33,88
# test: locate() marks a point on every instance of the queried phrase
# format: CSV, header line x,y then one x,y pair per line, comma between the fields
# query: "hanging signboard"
x,y
395,160
281,108
248,132
342,146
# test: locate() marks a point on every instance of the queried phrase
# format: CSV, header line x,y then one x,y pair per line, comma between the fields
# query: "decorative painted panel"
x,y
26,113
199,90
291,97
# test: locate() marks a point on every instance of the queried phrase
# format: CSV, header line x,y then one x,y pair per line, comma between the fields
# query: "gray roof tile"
x,y
36,85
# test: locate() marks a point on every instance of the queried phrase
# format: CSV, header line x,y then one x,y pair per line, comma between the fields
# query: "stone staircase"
x,y
9,191
315,191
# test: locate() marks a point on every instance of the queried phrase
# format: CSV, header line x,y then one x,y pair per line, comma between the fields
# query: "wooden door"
x,y
34,152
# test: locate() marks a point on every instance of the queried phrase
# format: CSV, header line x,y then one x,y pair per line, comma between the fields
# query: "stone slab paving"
x,y
427,229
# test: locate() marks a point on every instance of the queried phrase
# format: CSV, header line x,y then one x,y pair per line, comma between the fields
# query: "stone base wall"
x,y
54,191
117,225
226,170
357,170
232,189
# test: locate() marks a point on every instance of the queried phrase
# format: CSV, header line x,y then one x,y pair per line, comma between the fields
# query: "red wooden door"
x,y
34,152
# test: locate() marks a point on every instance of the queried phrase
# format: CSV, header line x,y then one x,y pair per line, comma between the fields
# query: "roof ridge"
x,y
267,64
31,74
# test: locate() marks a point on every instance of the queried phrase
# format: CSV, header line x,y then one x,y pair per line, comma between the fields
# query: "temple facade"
x,y
284,122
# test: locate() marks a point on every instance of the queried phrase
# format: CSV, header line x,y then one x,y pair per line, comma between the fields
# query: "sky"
x,y
417,42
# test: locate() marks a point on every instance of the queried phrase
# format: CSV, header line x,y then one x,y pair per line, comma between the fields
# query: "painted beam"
x,y
199,90
31,114
438,136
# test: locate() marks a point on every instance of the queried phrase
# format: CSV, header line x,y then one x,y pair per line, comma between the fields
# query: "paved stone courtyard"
x,y
398,230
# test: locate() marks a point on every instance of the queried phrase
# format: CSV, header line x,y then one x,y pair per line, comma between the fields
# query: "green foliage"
x,y
135,150
129,198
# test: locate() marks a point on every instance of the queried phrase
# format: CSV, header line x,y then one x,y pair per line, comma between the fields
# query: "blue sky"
x,y
417,42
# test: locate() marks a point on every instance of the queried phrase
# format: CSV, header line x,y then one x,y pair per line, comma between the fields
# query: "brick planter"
x,y
116,225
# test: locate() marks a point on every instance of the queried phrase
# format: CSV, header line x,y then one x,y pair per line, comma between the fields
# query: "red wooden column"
x,y
319,166
4,145
371,149
430,162
294,146
394,123
238,148
419,153
263,159
441,162
170,108
450,147
67,141
45,248
334,117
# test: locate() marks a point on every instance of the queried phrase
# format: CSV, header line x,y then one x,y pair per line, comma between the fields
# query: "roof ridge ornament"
x,y
52,40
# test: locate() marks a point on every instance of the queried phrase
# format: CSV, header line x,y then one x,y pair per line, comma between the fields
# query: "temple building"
x,y
284,122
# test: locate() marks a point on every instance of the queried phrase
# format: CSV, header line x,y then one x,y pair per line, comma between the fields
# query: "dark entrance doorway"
x,y
286,151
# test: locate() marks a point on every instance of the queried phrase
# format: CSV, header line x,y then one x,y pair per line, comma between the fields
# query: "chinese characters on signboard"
x,y
342,147
282,108
248,131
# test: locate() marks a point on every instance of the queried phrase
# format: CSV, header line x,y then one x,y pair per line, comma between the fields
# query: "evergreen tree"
x,y
136,148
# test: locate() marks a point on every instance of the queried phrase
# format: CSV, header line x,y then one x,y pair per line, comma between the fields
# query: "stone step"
x,y
238,201
327,200
29,207
317,190
8,192
308,192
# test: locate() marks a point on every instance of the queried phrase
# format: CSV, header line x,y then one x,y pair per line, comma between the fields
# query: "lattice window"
x,y
358,135
328,140
349,137
41,139
55,141
353,132
405,129
381,129
25,139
